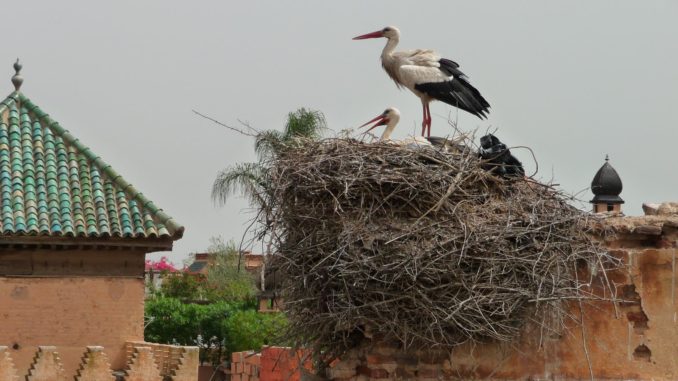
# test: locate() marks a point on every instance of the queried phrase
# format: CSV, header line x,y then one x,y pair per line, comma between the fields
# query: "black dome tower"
x,y
606,186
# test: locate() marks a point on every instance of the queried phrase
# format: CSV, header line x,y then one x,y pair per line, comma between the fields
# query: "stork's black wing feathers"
x,y
457,91
449,67
498,158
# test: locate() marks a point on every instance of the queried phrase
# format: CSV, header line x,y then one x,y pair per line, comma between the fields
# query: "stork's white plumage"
x,y
429,77
390,118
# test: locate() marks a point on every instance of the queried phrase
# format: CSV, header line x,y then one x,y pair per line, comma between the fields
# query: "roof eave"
x,y
150,244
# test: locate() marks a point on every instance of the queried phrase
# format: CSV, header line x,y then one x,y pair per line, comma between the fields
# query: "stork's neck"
x,y
391,44
390,126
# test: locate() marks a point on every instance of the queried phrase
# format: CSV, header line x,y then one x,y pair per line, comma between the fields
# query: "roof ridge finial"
x,y
607,157
17,79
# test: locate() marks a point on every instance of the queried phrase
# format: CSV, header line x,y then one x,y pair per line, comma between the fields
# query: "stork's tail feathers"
x,y
457,92
480,107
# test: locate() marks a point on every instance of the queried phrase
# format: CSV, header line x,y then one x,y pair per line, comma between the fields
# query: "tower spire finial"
x,y
17,79
607,157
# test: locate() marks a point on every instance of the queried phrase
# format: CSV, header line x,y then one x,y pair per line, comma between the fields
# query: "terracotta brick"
x,y
187,369
254,359
7,370
142,366
282,363
94,366
46,366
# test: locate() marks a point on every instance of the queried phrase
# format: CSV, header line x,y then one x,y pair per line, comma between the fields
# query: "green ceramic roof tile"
x,y
53,185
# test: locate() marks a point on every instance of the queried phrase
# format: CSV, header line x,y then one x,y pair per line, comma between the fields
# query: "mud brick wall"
x,y
633,340
70,313
167,357
70,299
94,365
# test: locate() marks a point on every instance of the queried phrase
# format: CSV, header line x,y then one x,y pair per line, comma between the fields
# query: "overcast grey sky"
x,y
573,80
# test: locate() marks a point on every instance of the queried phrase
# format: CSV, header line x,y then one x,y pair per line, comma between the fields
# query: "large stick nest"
x,y
418,245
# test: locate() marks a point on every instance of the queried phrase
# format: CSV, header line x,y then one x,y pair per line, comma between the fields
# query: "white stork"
x,y
389,118
429,77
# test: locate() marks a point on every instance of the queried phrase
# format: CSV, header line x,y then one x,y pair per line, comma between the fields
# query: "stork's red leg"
x,y
428,119
423,121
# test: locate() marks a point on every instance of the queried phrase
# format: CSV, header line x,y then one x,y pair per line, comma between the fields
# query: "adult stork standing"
x,y
429,77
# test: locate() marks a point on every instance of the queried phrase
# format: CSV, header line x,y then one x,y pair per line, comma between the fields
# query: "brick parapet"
x,y
95,364
46,366
7,369
142,366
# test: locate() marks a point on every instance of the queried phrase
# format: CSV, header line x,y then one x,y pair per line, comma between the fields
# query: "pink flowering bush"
x,y
162,265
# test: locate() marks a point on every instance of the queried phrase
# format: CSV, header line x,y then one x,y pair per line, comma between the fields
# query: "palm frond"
x,y
246,178
251,179
304,123
267,142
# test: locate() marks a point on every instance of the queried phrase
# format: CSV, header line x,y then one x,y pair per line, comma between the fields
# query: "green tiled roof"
x,y
52,185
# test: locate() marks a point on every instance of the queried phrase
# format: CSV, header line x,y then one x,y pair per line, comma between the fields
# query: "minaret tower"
x,y
606,186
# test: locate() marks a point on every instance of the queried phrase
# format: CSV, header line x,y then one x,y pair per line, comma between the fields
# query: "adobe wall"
x,y
143,362
68,301
633,340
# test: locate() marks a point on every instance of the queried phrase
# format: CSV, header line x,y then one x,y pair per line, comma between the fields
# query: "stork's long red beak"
x,y
381,120
376,34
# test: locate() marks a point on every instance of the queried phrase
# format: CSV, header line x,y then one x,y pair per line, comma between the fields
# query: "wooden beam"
x,y
154,244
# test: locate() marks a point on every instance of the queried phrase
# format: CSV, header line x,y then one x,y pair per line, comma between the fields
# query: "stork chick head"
x,y
389,32
392,115
390,118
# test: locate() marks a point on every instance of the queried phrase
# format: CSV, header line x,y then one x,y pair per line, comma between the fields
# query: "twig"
x,y
252,131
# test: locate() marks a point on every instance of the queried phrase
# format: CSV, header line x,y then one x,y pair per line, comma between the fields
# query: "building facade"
x,y
73,239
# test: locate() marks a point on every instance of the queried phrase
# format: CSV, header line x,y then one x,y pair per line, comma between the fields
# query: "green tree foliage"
x,y
216,311
217,328
172,321
224,280
249,329
182,285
